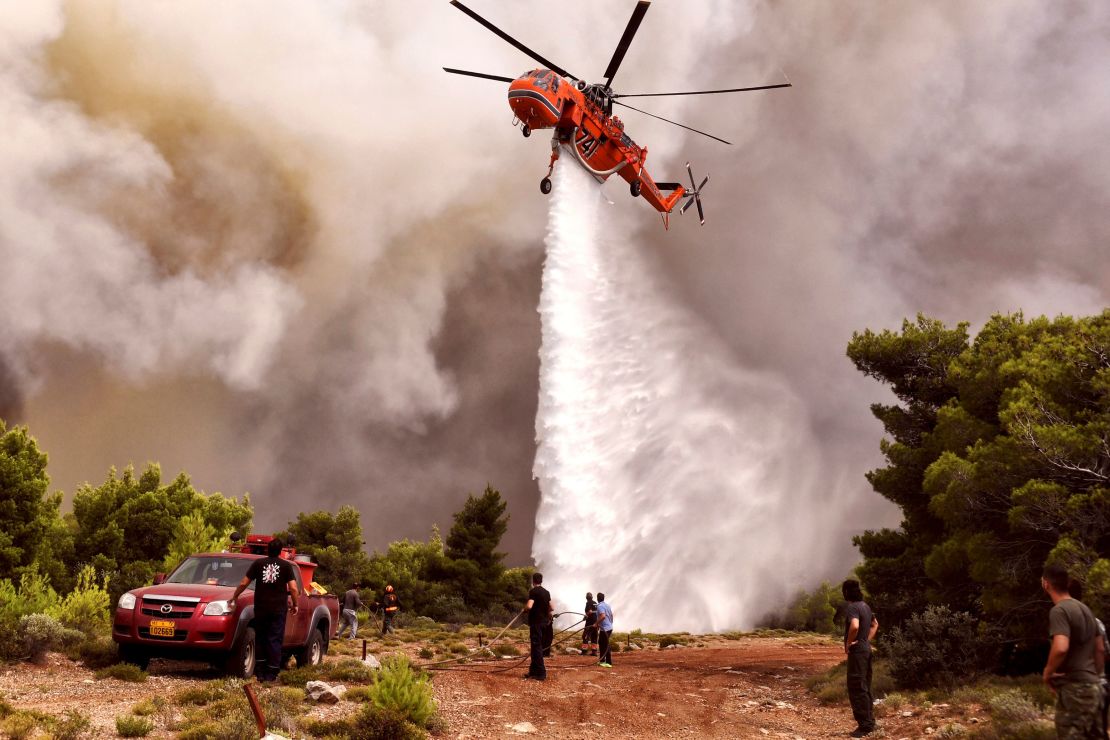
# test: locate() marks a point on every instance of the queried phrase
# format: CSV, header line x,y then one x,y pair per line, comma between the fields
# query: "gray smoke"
x,y
273,244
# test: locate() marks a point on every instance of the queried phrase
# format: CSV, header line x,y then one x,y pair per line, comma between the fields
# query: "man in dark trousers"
x,y
605,632
860,627
538,608
390,606
275,587
1075,660
589,632
351,604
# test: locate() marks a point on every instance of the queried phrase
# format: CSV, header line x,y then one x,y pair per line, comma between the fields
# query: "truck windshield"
x,y
212,571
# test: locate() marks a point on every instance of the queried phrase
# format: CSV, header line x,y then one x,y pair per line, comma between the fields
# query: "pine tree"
x,y
472,547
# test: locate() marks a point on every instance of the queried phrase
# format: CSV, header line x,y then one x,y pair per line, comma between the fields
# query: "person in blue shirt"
x,y
604,632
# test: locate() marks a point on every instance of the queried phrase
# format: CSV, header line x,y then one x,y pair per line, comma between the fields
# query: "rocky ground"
x,y
747,687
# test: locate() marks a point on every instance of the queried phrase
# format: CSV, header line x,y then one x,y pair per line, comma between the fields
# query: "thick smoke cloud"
x,y
281,225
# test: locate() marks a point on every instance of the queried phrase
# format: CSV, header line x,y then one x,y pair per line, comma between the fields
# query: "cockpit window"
x,y
543,80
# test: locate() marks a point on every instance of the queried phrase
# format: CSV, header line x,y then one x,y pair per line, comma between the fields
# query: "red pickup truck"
x,y
186,616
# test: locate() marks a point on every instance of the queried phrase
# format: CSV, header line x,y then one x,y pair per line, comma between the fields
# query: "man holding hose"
x,y
539,608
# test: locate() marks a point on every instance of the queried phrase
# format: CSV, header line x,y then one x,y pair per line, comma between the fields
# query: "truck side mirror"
x,y
159,579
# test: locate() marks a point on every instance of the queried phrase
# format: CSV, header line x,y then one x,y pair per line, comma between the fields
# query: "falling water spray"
x,y
672,479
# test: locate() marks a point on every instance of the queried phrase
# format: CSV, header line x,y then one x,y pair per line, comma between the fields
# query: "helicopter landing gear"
x,y
526,131
545,183
634,188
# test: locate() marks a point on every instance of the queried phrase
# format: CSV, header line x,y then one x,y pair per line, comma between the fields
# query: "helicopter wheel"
x,y
545,185
526,131
634,188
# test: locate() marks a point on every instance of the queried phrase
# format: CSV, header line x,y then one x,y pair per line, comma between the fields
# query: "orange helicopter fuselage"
x,y
542,99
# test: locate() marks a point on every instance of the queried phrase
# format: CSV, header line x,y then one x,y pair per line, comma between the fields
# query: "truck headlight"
x,y
217,609
127,601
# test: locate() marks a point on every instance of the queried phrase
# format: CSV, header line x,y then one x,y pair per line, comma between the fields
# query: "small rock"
x,y
764,731
634,646
930,730
974,720
523,728
372,661
324,693
573,651
88,680
907,714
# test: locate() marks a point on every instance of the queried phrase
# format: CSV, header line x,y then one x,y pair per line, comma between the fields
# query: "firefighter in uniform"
x,y
390,605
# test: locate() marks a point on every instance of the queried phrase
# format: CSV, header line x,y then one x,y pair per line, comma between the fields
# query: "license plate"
x,y
161,627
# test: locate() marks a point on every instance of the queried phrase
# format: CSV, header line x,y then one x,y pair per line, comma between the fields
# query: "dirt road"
x,y
751,688
746,688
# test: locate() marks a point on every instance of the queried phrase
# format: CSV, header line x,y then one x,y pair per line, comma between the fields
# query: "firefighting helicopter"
x,y
581,114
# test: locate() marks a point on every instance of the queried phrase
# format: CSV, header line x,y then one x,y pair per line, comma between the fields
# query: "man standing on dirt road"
x,y
351,604
390,605
605,631
589,632
860,627
1075,660
538,608
275,586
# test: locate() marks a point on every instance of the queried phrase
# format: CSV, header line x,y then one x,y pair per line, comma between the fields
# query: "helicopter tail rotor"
x,y
694,195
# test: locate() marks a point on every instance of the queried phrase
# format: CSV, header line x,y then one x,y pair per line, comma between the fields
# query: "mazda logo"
x,y
167,608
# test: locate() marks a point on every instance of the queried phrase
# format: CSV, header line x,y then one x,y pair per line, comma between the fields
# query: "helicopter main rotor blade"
x,y
626,41
676,123
546,63
704,92
483,75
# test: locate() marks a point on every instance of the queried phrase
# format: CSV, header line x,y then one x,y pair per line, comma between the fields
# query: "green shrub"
x,y
370,723
1013,707
506,648
1015,716
32,596
207,692
75,725
458,648
230,718
85,608
437,725
95,653
358,694
300,676
938,647
668,640
397,687
123,672
5,708
18,726
950,730
426,653
132,726
348,669
148,706
376,723
39,634
831,686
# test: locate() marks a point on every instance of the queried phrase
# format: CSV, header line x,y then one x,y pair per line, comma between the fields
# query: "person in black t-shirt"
x,y
539,608
589,632
275,585
860,627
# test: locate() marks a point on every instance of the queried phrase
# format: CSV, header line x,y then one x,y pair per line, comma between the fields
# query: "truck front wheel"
x,y
313,651
240,663
134,655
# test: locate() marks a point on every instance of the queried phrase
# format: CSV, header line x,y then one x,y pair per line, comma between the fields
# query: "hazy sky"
x,y
274,245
